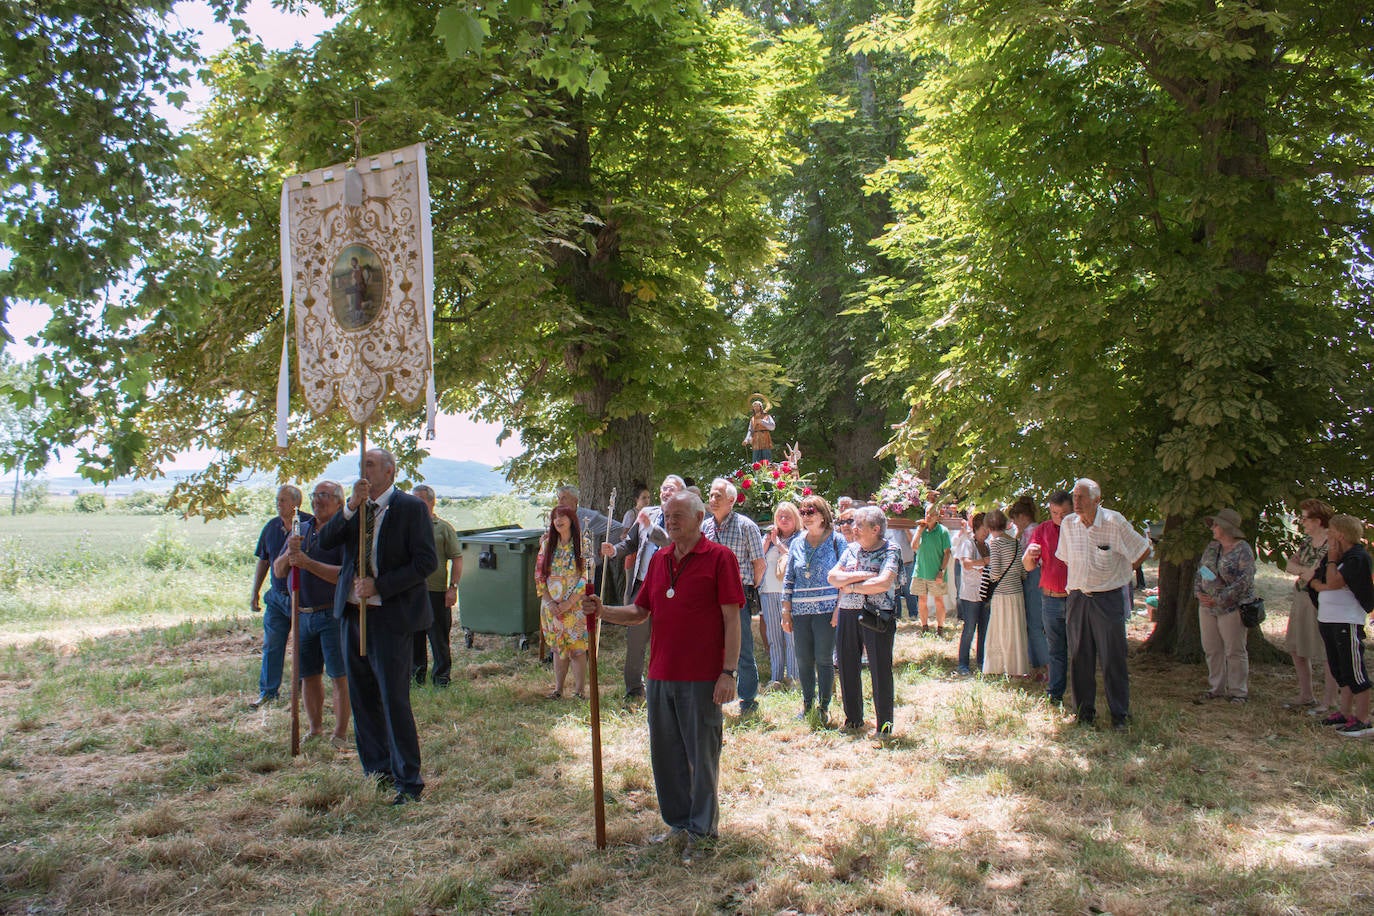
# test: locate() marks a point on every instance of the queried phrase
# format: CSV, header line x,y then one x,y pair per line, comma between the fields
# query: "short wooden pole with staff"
x,y
593,635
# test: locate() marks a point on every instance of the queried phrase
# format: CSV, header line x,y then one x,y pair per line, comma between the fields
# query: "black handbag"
x,y
1252,612
874,617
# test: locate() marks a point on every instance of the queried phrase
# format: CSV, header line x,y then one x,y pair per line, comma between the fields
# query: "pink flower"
x,y
776,475
758,465
746,483
739,497
806,491
739,473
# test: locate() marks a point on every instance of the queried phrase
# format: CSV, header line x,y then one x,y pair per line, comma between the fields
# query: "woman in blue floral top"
x,y
808,604
867,569
1225,580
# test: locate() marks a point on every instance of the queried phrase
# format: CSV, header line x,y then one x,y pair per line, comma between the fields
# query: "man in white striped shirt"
x,y
1100,549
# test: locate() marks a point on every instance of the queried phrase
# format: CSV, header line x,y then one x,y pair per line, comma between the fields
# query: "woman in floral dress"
x,y
559,580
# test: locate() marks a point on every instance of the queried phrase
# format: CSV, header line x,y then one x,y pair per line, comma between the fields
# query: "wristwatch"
x,y
731,673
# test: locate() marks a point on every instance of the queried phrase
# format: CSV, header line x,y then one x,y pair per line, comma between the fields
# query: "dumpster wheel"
x,y
467,637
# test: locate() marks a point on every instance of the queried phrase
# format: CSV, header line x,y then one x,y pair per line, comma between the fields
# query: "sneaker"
x,y
262,700
1319,711
1337,719
964,672
1356,729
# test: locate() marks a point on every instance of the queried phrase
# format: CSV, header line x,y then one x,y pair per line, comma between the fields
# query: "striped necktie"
x,y
370,535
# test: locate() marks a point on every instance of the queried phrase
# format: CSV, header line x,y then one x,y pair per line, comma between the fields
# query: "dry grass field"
x,y
133,779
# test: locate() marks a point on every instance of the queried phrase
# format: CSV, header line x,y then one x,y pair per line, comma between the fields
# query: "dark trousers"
x,y
851,640
636,646
685,730
379,689
1097,632
436,638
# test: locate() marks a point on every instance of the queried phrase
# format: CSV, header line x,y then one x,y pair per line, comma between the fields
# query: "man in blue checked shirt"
x,y
738,532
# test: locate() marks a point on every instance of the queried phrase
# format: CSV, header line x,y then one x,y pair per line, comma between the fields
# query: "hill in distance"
x,y
455,479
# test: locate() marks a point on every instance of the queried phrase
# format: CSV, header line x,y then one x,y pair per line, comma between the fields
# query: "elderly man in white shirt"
x,y
1101,550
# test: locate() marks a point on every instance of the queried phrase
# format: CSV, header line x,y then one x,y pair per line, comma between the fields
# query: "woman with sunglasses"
x,y
867,574
809,605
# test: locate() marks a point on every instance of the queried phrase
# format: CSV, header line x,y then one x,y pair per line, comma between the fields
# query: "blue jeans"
x,y
1057,637
276,627
1035,628
748,685
976,615
815,642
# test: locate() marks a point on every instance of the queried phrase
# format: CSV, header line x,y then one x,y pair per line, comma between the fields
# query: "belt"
x,y
310,610
1054,594
1105,591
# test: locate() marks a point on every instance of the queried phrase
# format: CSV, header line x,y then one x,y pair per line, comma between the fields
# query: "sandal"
x,y
554,695
580,696
1300,704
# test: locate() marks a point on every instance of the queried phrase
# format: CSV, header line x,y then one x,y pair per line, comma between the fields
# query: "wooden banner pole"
x,y
363,546
295,665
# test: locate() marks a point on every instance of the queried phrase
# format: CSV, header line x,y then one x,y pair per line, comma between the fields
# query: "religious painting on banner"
x,y
357,260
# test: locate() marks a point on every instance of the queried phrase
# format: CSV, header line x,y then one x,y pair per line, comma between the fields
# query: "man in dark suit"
x,y
399,558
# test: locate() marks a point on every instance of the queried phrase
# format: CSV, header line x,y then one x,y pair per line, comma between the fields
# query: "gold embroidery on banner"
x,y
358,328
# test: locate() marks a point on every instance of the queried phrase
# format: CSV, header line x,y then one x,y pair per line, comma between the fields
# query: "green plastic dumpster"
x,y
496,595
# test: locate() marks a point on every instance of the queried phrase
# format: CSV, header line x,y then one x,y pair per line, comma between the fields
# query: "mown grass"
x,y
134,779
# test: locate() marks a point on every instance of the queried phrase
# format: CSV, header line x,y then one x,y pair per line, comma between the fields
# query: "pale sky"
x,y
459,438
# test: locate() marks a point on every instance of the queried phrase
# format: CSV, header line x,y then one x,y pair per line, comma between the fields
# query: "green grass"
x,y
136,780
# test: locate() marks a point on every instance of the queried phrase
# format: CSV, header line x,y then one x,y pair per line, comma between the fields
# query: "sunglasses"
x,y
845,522
809,512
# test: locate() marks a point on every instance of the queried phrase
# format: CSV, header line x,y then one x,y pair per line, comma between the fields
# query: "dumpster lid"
x,y
511,535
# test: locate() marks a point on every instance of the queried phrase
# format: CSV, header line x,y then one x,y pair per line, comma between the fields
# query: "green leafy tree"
x,y
810,316
596,174
1144,233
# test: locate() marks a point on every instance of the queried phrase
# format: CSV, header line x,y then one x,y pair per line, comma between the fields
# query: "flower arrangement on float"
x,y
764,484
903,495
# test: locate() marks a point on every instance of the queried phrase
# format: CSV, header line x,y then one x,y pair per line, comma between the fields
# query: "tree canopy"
x,y
1144,230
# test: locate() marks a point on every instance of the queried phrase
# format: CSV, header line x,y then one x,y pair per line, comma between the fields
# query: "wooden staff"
x,y
293,585
598,785
363,546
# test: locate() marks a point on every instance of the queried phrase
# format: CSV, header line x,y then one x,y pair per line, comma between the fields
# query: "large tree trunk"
x,y
612,452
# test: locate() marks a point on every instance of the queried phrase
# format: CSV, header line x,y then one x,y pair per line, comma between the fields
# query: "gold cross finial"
x,y
357,122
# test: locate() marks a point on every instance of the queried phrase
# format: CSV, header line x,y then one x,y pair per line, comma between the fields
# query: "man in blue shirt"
x,y
276,608
321,643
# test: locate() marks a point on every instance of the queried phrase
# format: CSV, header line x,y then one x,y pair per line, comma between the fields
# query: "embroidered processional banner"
x,y
358,262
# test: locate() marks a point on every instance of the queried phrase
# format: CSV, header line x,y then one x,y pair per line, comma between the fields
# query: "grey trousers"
x,y
684,748
636,647
1097,631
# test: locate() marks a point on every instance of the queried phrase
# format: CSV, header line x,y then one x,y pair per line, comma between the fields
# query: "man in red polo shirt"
x,y
1054,590
693,593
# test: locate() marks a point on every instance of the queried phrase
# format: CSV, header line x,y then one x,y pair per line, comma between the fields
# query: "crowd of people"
x,y
1042,601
